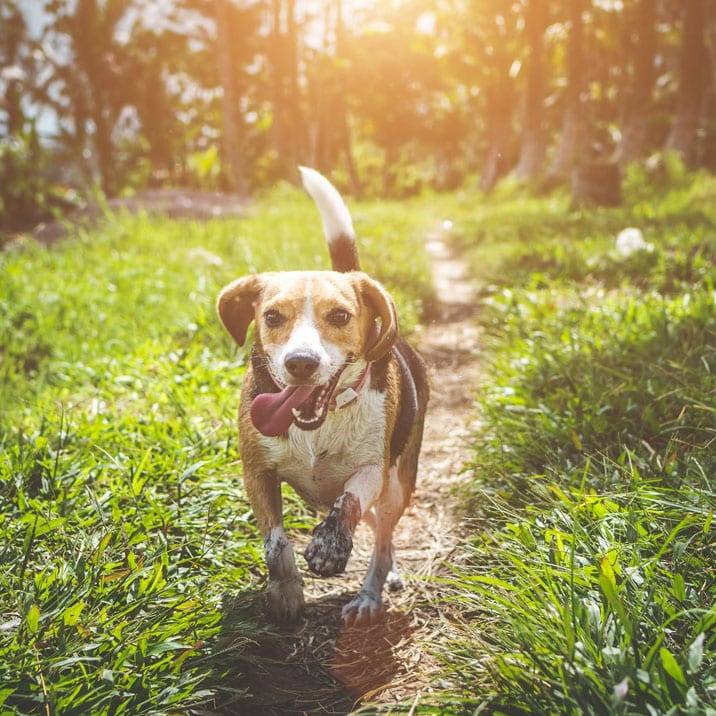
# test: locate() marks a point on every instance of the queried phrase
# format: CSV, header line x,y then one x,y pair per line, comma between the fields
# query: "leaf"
x,y
678,587
671,666
696,653
608,571
33,619
72,613
138,479
166,646
607,581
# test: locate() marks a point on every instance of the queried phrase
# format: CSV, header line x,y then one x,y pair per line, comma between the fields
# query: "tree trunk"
x,y
641,40
597,184
711,37
572,124
500,104
289,135
295,126
692,82
344,126
229,103
277,59
531,161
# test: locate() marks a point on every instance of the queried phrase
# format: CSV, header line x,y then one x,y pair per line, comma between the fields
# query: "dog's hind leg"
x,y
394,580
367,605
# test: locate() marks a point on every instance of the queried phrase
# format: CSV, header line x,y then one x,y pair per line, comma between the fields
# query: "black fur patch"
x,y
412,375
344,255
411,370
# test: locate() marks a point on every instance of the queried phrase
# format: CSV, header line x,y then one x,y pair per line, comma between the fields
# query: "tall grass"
x,y
590,586
131,560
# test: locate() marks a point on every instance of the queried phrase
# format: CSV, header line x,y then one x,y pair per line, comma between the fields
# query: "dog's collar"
x,y
349,394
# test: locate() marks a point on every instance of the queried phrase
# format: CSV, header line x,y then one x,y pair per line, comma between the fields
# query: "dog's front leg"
x,y
284,592
332,543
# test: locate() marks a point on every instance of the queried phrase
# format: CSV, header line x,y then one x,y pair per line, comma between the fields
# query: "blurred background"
x,y
113,97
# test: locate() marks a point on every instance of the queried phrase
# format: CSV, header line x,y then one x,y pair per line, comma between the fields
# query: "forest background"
x,y
116,96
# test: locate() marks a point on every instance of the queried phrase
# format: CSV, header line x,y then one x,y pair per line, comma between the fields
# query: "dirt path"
x,y
326,668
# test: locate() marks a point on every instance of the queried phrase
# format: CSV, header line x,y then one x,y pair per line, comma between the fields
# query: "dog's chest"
x,y
318,463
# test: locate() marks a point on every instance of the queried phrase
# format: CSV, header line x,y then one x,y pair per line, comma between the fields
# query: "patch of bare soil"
x,y
330,669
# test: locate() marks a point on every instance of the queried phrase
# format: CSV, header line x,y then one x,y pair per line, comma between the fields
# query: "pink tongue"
x,y
271,412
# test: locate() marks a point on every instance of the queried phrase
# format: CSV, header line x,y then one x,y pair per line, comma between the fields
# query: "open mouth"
x,y
304,405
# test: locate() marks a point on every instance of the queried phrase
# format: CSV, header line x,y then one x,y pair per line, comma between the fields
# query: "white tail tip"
x,y
334,212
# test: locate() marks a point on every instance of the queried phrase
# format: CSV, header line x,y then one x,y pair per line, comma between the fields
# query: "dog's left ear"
x,y
381,303
236,305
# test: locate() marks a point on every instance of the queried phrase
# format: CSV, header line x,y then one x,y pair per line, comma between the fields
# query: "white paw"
x,y
364,609
394,581
284,600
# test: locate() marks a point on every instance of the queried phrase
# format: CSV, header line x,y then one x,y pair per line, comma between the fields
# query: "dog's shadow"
x,y
321,667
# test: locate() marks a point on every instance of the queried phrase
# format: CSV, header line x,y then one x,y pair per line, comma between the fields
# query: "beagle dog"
x,y
333,403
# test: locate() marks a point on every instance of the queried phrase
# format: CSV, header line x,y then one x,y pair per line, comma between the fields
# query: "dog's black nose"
x,y
302,365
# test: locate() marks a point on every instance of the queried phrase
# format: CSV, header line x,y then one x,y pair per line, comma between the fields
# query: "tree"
x,y
531,161
641,43
417,92
491,32
227,28
711,37
573,117
692,81
288,127
396,78
13,42
96,81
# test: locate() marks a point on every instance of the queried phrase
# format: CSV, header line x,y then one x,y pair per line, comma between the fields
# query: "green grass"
x,y
131,560
590,585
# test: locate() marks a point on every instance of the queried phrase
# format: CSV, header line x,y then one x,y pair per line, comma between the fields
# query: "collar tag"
x,y
345,398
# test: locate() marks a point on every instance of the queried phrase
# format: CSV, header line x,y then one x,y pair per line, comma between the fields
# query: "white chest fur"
x,y
318,463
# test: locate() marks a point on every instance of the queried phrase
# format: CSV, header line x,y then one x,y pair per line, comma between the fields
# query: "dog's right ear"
x,y
236,305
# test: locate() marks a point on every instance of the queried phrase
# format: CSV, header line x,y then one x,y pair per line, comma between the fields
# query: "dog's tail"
x,y
337,223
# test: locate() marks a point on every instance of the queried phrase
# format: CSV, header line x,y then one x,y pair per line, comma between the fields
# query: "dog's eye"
x,y
274,319
338,317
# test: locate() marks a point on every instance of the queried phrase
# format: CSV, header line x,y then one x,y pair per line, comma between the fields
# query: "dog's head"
x,y
313,329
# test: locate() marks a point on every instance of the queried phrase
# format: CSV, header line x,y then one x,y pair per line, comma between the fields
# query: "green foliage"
x,y
521,241
123,534
418,95
590,585
130,552
594,603
26,195
580,379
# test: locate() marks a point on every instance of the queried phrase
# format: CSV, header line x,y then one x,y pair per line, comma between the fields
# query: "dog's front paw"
x,y
284,601
364,609
331,546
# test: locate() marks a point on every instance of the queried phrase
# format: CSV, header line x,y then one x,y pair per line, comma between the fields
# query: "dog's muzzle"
x,y
305,406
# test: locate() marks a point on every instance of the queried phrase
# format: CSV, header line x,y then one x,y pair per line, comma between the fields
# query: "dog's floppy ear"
x,y
381,303
236,305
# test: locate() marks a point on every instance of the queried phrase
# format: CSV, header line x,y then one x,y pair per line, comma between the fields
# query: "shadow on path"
x,y
322,668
